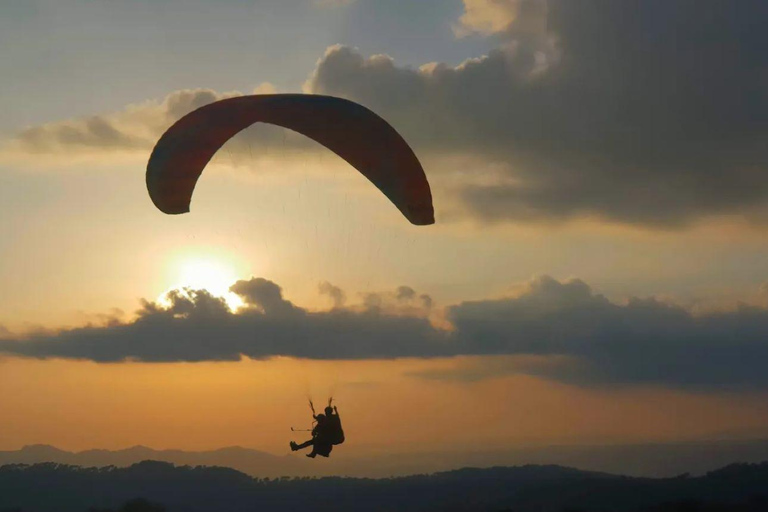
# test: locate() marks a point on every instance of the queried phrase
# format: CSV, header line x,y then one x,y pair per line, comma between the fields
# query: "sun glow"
x,y
207,274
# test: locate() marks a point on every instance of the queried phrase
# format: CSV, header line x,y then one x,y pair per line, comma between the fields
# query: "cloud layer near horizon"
x,y
650,115
560,330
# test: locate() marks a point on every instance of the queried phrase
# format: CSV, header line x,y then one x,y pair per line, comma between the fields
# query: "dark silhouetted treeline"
x,y
158,487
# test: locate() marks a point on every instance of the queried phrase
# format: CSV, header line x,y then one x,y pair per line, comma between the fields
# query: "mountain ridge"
x,y
650,460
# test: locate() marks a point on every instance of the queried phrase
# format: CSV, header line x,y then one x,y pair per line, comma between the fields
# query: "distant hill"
x,y
62,488
634,460
252,462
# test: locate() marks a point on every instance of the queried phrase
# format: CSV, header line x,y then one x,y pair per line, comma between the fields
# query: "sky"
x,y
596,273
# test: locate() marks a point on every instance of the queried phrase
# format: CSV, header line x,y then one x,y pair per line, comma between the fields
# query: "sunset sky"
x,y
597,273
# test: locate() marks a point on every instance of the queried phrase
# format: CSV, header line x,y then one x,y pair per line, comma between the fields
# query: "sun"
x,y
206,274
212,275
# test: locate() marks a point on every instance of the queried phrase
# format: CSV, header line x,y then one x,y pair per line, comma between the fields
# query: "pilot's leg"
x,y
301,446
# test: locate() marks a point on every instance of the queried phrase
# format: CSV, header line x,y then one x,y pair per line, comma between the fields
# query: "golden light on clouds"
x,y
211,272
486,16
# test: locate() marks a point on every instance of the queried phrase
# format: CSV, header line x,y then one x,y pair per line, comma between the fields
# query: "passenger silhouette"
x,y
335,432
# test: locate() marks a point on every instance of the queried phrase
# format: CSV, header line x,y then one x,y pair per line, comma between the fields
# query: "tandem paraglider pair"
x,y
359,136
326,433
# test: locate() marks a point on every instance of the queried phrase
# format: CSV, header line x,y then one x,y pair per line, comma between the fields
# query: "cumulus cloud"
x,y
137,128
404,300
646,114
405,293
486,16
193,325
557,329
642,341
336,294
131,133
265,88
510,17
265,295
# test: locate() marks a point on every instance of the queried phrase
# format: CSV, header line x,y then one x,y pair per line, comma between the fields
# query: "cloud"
x,y
133,131
265,295
502,16
487,16
265,88
646,114
193,325
642,341
405,293
649,114
94,132
336,294
404,301
560,330
137,127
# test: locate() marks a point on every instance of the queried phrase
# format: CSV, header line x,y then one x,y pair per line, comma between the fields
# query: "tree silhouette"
x,y
136,505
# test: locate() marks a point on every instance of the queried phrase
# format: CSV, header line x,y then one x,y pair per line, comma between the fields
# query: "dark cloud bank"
x,y
645,112
586,338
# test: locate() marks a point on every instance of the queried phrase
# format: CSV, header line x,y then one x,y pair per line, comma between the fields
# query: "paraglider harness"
x,y
337,433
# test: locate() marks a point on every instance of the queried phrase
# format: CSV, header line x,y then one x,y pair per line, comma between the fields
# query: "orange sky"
x,y
79,405
81,242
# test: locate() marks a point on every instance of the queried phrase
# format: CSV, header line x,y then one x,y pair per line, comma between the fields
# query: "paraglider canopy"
x,y
359,136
